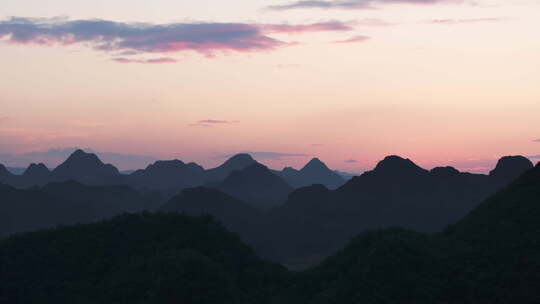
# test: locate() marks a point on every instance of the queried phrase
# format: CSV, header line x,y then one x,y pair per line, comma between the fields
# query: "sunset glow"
x,y
446,83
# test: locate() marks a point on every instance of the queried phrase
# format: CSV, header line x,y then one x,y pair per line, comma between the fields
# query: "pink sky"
x,y
444,82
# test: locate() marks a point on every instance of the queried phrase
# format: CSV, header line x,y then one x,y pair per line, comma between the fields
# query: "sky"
x,y
442,82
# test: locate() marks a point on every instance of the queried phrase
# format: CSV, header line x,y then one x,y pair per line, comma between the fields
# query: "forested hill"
x,y
161,258
490,256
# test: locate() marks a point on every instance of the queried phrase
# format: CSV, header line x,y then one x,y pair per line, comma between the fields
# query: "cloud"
x,y
317,145
464,21
374,22
536,140
348,4
268,155
3,119
212,122
145,61
131,39
351,161
200,125
533,156
355,39
307,28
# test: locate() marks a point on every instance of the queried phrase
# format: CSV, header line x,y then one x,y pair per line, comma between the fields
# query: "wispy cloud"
x,y
537,140
534,156
267,155
200,125
465,21
145,61
355,39
348,4
351,161
212,122
331,26
373,22
132,39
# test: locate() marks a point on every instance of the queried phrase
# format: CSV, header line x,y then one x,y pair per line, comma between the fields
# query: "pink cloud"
x,y
349,4
130,39
306,28
355,39
212,122
464,21
145,61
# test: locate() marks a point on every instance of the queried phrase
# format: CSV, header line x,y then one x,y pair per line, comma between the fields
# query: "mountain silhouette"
x,y
490,256
396,193
395,166
86,168
256,185
314,172
5,175
236,162
36,175
168,176
37,170
510,167
4,171
297,227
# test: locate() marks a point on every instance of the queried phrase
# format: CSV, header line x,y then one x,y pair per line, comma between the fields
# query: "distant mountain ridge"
x,y
314,172
84,164
256,185
308,222
169,177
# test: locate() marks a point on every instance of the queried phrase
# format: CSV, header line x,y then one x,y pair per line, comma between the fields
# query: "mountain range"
x,y
294,226
315,221
169,177
491,255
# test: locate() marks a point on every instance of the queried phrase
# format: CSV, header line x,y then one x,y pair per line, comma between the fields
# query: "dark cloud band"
x,y
347,4
142,38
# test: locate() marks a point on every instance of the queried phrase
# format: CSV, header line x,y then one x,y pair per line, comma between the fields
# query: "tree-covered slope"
x,y
161,258
491,256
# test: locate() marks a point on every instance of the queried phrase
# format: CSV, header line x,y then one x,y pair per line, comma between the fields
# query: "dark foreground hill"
x,y
490,256
316,221
237,216
66,203
135,259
